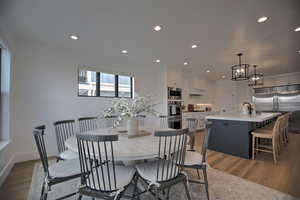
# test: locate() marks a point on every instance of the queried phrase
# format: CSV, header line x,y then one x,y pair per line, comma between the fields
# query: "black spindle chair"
x,y
57,172
163,121
196,160
101,177
64,129
88,124
162,174
192,124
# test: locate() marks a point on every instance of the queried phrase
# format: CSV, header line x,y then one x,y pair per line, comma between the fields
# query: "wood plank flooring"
x,y
285,176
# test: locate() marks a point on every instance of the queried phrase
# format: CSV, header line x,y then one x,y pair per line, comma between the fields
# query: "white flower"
x,y
126,108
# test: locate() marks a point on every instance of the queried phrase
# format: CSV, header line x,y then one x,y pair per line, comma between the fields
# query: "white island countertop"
x,y
259,117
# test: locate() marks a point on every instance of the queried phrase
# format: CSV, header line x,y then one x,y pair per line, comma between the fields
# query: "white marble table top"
x,y
126,149
241,117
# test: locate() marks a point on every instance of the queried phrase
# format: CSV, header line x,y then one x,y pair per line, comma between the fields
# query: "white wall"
x,y
282,79
46,91
6,148
226,96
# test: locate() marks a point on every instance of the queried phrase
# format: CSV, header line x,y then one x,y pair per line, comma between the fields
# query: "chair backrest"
x,y
278,126
208,126
108,122
88,124
97,164
286,121
38,134
63,130
192,125
171,150
163,121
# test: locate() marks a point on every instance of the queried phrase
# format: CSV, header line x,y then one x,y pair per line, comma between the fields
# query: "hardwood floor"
x,y
285,176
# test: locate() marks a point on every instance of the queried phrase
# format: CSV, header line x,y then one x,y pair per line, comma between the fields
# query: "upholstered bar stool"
x,y
272,135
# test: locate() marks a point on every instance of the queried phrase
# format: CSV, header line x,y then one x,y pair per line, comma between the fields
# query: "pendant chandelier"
x,y
256,79
240,71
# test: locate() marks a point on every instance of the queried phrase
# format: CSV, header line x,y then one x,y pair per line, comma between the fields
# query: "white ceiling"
x,y
220,28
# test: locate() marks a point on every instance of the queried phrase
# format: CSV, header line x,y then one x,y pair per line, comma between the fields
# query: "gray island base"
x,y
231,133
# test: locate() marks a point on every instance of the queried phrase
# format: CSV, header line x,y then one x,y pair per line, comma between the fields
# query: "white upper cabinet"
x,y
196,83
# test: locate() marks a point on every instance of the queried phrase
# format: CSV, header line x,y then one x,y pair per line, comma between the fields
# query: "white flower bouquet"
x,y
125,108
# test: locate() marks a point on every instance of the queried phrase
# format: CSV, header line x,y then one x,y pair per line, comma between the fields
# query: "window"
x,y
107,85
87,83
124,83
99,84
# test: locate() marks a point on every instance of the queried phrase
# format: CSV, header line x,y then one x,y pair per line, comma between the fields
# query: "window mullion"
x,y
131,87
98,84
116,86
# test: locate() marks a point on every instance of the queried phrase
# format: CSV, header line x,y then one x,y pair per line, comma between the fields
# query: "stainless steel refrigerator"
x,y
280,99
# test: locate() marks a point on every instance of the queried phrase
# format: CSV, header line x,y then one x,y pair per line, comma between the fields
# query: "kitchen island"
x,y
231,132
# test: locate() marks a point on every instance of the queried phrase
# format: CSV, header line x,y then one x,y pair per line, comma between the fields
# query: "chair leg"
x,y
206,182
79,197
156,193
168,193
43,191
198,173
253,147
187,190
286,134
274,150
135,195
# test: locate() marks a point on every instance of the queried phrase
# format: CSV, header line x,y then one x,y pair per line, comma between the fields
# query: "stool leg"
x,y
253,147
274,150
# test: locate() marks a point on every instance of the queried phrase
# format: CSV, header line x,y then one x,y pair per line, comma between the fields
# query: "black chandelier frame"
x,y
240,72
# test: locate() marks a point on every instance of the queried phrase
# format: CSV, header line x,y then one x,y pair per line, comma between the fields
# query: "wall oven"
x,y
175,108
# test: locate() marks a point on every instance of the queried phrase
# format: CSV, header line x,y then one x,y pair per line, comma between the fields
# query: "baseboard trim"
x,y
22,157
6,170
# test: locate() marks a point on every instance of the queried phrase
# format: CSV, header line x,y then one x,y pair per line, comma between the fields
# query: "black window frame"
x,y
98,83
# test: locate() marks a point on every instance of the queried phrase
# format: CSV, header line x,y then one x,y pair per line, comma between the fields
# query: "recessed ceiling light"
x,y
124,51
158,61
74,37
157,28
297,29
262,19
207,71
194,46
223,76
185,63
299,51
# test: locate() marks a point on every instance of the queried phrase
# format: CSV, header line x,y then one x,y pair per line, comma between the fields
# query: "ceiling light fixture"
x,y
256,79
262,19
74,37
157,61
124,51
185,63
240,71
297,29
157,28
223,76
194,46
299,51
207,71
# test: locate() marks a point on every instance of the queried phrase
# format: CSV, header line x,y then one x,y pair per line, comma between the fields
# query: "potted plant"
x,y
129,109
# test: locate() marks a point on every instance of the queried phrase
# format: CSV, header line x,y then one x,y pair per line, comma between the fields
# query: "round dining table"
x,y
127,148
